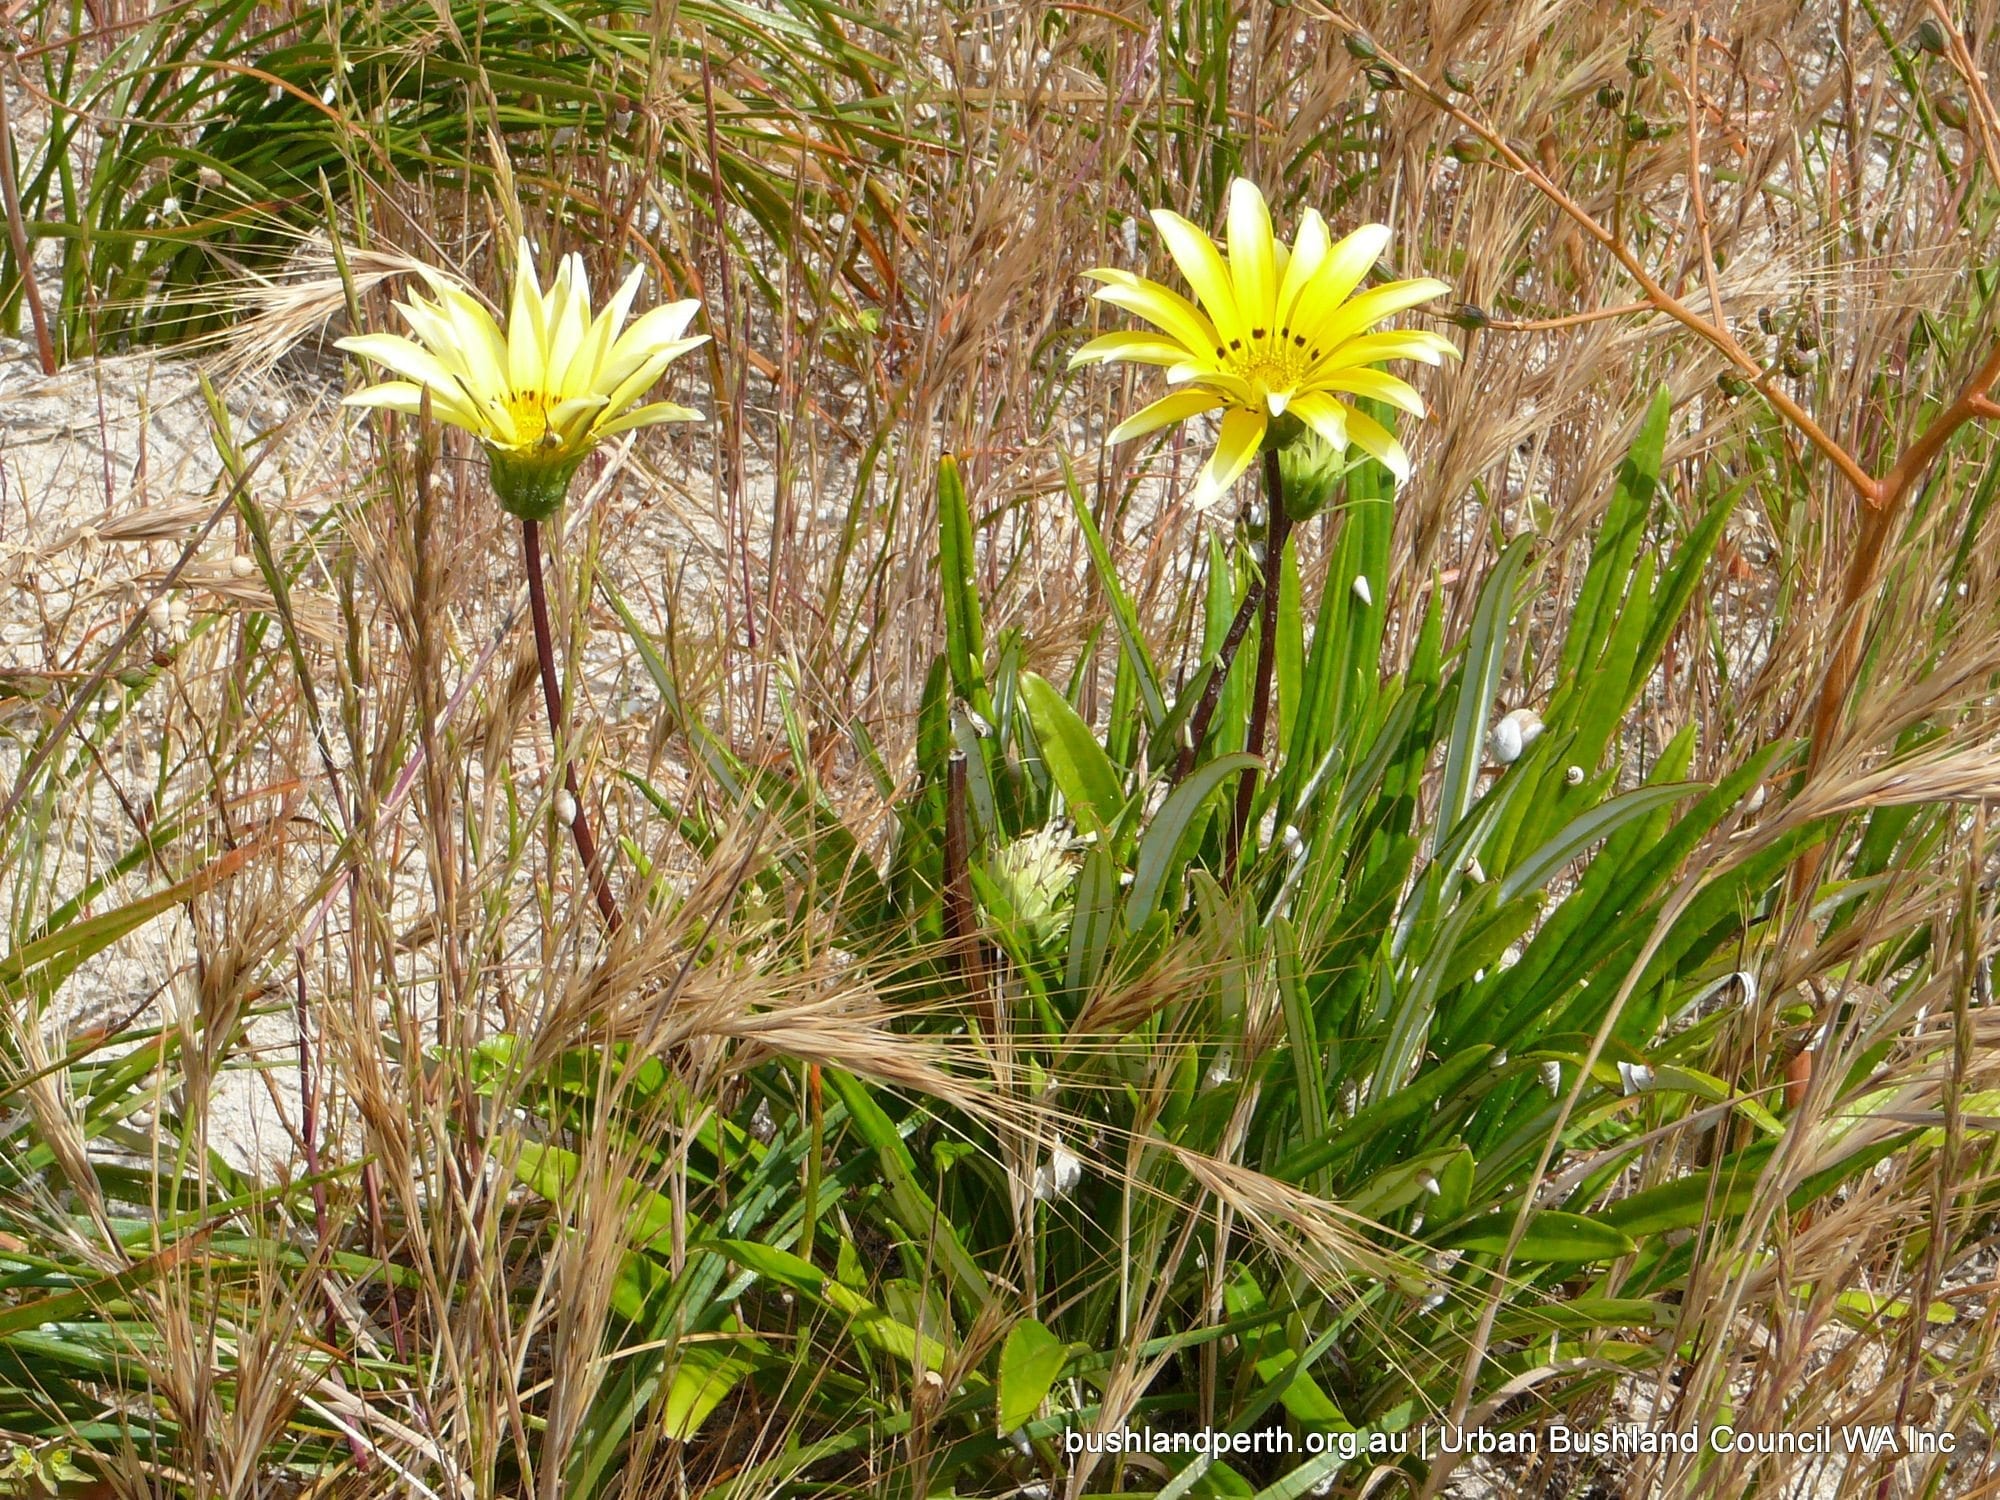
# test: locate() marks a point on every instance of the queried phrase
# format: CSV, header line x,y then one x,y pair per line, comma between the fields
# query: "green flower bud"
x,y
1312,471
1610,96
1034,876
529,485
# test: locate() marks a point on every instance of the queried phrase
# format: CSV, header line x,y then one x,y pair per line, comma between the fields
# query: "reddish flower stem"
x,y
545,651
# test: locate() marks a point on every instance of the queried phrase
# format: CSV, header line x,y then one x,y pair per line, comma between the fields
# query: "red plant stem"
x,y
1197,724
17,232
545,650
1276,536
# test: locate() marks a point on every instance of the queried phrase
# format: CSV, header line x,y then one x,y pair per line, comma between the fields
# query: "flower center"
x,y
1270,360
530,413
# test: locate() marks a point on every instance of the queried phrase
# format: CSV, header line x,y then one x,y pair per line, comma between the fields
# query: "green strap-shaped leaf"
x,y
913,1207
1588,828
1123,615
1552,1236
1479,677
964,631
1082,771
1161,851
706,1374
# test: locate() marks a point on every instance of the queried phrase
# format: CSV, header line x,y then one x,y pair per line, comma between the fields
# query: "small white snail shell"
x,y
1574,776
1361,589
1634,1077
565,806
241,566
1514,733
160,614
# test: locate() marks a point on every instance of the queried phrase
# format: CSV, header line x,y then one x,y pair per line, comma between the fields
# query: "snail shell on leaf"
x,y
1513,734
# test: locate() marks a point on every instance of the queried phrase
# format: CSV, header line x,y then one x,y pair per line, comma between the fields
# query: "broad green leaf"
x,y
1030,1361
1082,771
707,1372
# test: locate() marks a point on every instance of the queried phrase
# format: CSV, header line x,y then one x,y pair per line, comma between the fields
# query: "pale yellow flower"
x,y
1279,329
545,392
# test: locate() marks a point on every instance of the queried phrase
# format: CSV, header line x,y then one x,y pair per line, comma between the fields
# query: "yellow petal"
x,y
406,358
1132,346
655,330
569,320
1323,415
570,420
1337,277
1238,390
527,331
1161,306
1253,262
1164,412
1372,438
1395,343
1371,307
1195,253
435,331
408,398
638,381
1235,448
646,416
588,366
485,347
1307,256
1376,385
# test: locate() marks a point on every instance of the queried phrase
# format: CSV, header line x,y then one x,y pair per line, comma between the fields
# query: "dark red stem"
x,y
1275,538
545,651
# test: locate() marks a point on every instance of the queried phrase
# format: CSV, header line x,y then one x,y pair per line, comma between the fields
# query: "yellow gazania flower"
x,y
1279,331
544,393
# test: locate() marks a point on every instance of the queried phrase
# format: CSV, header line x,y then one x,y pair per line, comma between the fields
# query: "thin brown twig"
x,y
1489,324
1765,383
1864,566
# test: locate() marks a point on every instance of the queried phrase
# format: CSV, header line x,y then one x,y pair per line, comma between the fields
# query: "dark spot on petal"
x,y
1299,339
1236,343
1256,333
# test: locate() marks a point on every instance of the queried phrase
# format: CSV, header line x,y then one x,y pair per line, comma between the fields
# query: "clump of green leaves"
x,y
1424,979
